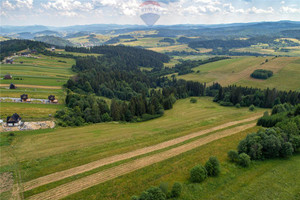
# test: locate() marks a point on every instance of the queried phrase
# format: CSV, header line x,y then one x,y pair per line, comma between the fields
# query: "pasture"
x,y
60,149
238,69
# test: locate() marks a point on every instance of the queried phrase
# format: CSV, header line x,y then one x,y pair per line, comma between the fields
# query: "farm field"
x,y
62,51
238,69
264,180
42,71
59,149
29,111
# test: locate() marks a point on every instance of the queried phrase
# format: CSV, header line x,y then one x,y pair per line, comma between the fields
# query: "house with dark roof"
x,y
9,61
24,98
52,99
8,76
14,120
12,86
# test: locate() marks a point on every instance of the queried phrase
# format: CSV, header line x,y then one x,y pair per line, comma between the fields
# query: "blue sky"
x,y
74,12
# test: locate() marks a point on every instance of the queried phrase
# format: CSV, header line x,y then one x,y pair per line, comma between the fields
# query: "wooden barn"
x,y
24,98
14,120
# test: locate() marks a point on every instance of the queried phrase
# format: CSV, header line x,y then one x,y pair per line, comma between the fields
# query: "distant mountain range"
x,y
216,30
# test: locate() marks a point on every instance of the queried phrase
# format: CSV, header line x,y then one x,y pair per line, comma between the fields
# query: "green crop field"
x,y
64,148
238,69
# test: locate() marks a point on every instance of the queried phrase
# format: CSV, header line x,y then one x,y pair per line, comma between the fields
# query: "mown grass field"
x,y
42,71
44,152
238,69
264,180
29,111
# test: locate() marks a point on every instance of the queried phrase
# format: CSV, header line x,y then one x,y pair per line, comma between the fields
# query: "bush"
x,y
198,174
134,198
212,166
164,187
193,100
252,108
244,160
233,156
176,190
153,193
238,105
286,150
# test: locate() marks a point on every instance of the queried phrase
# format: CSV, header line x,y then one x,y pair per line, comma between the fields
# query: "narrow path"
x,y
109,160
106,175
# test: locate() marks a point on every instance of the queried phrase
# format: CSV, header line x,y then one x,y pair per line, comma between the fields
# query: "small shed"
x,y
8,76
12,86
24,98
14,120
52,48
52,99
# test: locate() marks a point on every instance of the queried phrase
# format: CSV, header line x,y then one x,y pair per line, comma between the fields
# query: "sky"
x,y
79,12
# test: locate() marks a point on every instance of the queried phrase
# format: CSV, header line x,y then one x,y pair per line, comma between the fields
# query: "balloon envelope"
x,y
150,18
150,12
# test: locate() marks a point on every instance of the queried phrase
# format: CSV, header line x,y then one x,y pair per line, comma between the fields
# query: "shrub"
x,y
212,166
176,190
198,174
134,198
233,155
238,105
193,100
252,108
286,150
164,187
244,160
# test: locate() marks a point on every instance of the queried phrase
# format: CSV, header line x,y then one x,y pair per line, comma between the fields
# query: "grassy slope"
x,y
29,112
45,70
36,72
39,153
238,70
257,182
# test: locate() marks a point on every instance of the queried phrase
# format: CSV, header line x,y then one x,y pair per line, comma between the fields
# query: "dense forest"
x,y
116,74
12,46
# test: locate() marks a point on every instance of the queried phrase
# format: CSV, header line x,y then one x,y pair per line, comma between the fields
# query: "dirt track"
x,y
32,86
96,164
103,176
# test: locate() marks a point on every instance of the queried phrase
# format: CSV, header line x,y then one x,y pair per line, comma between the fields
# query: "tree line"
x,y
246,96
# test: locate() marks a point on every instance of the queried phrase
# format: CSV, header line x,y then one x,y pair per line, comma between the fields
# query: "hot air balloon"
x,y
150,12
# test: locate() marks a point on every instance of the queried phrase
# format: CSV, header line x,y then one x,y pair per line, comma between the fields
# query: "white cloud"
x,y
229,8
68,5
282,2
289,10
24,3
12,5
7,5
255,10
